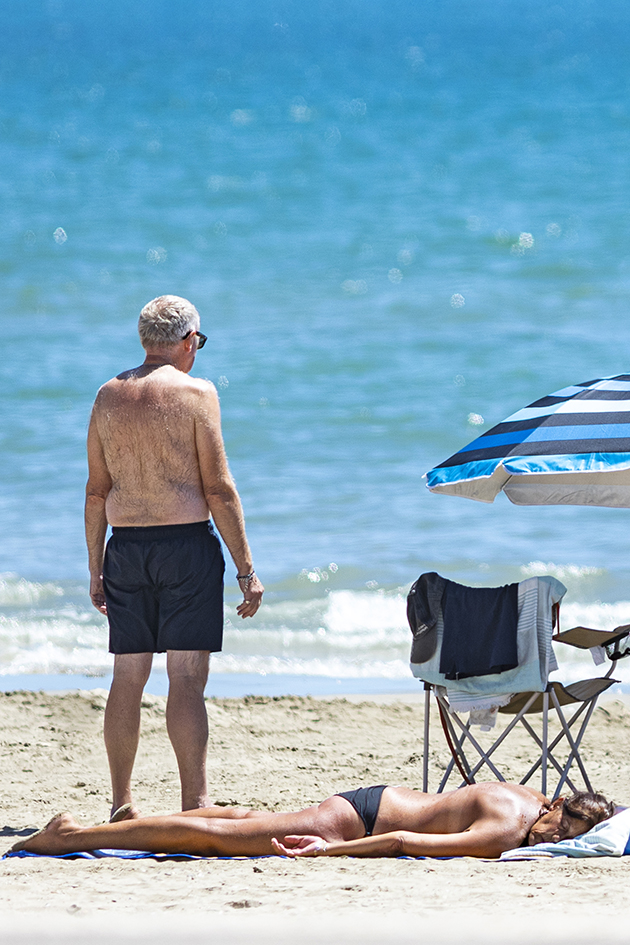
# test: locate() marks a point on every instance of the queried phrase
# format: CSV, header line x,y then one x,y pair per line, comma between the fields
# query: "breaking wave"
x,y
53,629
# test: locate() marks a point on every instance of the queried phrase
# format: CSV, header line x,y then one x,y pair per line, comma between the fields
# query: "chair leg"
x,y
517,718
570,723
546,758
574,754
580,735
425,754
450,766
467,734
425,760
534,768
458,756
545,732
459,748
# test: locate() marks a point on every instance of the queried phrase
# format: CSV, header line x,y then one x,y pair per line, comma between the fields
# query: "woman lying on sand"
x,y
479,820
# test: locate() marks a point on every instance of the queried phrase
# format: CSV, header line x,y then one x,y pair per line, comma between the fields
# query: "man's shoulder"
x,y
175,379
201,384
191,393
108,388
179,380
196,391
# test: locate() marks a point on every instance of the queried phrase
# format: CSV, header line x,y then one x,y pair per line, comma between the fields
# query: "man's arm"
x,y
483,841
223,499
98,486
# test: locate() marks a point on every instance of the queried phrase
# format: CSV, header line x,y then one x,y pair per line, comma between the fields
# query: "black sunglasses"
x,y
202,338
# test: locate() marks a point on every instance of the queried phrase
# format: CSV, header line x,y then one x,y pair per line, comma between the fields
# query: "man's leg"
x,y
122,721
187,722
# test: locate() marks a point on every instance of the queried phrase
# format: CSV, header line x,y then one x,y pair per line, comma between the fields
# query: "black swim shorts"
x,y
366,801
164,588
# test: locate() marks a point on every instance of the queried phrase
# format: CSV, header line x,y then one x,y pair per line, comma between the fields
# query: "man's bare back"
x,y
147,421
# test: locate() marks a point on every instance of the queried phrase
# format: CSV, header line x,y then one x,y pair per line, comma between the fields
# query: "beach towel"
x,y
130,855
141,855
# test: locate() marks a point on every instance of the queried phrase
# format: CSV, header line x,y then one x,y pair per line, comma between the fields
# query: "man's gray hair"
x,y
164,321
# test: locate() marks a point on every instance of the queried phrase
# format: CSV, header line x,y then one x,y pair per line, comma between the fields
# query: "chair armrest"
x,y
585,637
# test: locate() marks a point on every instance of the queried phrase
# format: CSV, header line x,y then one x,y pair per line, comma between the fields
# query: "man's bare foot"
x,y
126,812
202,802
54,838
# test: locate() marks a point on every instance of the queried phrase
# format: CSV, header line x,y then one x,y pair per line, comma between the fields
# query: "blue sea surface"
x,y
400,222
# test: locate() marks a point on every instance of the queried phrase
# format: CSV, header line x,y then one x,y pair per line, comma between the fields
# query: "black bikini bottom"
x,y
366,801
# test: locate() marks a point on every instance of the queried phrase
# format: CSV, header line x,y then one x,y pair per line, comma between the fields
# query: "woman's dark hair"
x,y
589,807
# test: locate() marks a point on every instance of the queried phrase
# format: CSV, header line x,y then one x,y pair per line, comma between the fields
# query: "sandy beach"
x,y
280,753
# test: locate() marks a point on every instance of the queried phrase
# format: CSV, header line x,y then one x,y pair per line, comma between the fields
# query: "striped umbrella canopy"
x,y
570,448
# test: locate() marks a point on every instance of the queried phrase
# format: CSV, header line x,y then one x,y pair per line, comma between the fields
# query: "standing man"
x,y
157,471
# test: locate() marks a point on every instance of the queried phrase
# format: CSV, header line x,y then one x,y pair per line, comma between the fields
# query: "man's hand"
x,y
252,597
300,846
97,595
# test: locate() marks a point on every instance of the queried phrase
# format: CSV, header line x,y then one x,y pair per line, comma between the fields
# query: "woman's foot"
x,y
53,839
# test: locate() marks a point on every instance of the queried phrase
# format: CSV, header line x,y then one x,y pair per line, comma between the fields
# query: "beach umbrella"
x,y
570,448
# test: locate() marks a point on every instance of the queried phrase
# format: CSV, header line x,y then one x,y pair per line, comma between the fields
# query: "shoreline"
x,y
240,685
223,685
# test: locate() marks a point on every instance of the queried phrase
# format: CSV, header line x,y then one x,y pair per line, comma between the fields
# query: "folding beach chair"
x,y
544,699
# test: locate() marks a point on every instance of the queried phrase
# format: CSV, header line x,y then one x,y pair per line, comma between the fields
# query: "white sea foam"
x,y
17,592
350,611
560,571
331,666
50,659
343,634
596,615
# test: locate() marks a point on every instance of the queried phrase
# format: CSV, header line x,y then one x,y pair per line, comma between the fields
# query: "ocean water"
x,y
400,223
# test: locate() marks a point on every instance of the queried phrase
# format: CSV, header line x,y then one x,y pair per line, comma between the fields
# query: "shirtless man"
x,y
479,820
157,472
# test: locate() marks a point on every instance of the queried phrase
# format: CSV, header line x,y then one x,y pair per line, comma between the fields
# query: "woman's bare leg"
x,y
129,812
224,813
333,819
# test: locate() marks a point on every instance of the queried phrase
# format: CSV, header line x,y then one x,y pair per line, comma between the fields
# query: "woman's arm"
x,y
483,842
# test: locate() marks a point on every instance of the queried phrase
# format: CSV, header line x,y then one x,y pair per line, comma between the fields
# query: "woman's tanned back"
x,y
457,811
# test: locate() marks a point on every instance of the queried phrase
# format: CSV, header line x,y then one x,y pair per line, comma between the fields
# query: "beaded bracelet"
x,y
246,577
